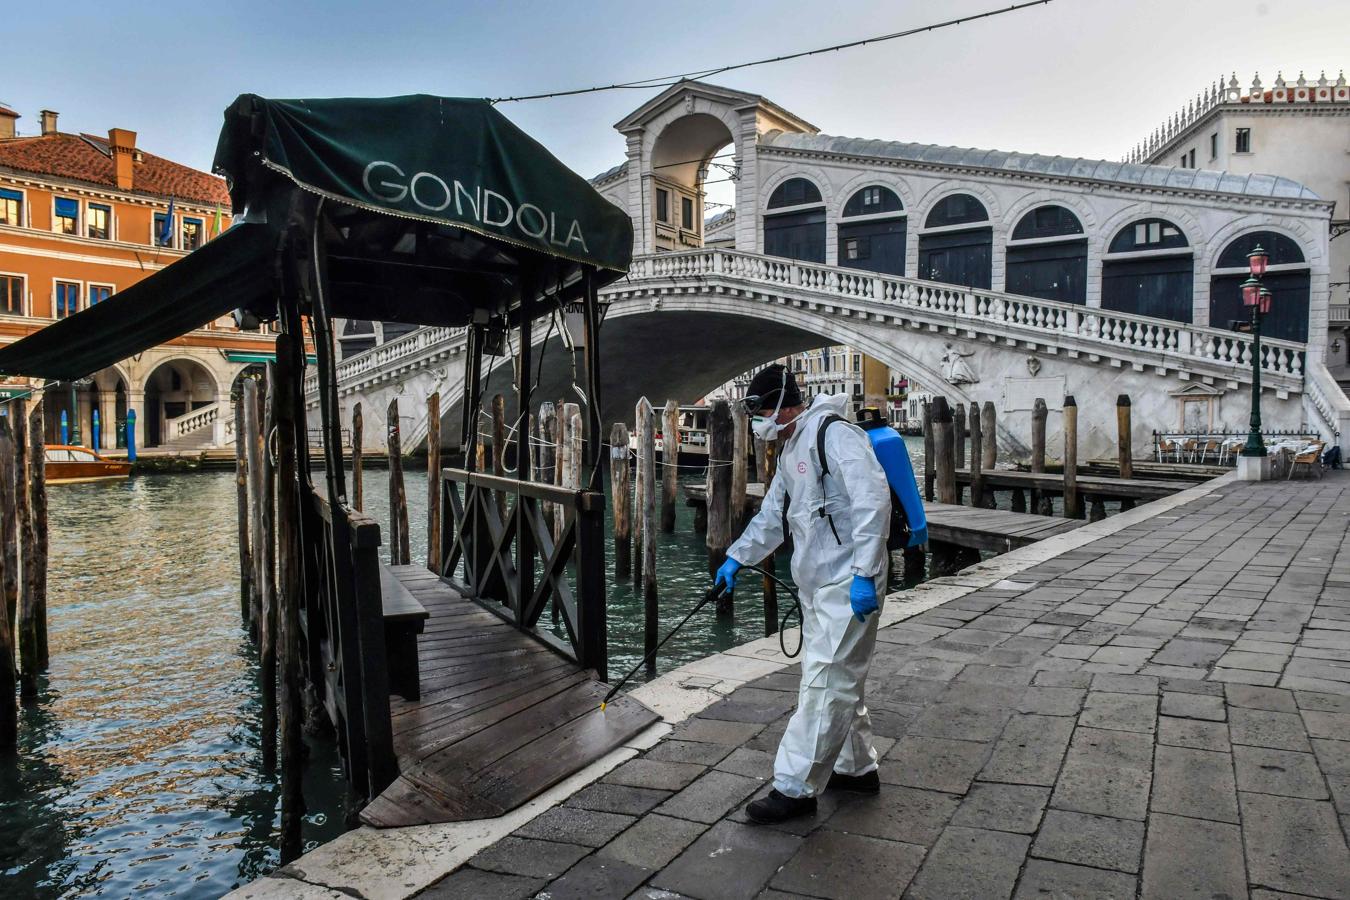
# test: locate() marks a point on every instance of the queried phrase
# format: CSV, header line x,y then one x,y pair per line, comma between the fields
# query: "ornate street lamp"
x,y
1256,298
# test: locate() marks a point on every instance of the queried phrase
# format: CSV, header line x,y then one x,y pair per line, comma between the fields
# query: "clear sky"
x,y
1075,77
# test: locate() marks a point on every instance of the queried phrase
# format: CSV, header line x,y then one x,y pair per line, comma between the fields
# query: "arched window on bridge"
x,y
956,246
1047,256
1287,276
872,237
1148,270
357,335
795,225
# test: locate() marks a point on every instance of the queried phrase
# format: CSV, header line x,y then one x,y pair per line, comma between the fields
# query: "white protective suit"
x,y
830,729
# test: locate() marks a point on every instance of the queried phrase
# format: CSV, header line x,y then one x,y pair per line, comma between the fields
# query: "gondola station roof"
x,y
431,211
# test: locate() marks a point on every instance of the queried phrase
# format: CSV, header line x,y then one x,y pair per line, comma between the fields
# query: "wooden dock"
x,y
1142,489
501,717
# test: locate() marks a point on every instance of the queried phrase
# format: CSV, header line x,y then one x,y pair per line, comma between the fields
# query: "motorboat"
x,y
70,464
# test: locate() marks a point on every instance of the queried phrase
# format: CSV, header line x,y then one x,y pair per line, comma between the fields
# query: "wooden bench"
x,y
404,619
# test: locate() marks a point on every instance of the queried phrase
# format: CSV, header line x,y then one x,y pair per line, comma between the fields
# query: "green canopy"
x,y
448,160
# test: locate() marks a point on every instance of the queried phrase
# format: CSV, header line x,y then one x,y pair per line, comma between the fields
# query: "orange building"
x,y
83,216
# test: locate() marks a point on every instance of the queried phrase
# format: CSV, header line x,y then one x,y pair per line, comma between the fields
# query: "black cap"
x,y
767,384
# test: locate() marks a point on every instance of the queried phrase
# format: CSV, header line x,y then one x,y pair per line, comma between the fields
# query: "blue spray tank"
x,y
894,458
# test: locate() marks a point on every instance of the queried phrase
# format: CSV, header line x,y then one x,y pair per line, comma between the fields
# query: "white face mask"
x,y
766,428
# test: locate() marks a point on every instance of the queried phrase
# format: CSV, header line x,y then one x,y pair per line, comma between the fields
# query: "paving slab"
x,y
1197,783
1192,858
1003,807
1266,728
840,866
1048,880
970,862
1288,774
569,825
597,876
1098,841
934,763
1029,750
710,798
531,858
1295,845
653,841
729,862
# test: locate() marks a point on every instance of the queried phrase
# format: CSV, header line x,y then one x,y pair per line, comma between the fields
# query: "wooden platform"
x,y
1088,485
501,717
993,530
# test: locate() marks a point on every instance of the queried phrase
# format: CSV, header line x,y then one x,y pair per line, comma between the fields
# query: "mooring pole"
x,y
241,504
22,511
642,426
976,460
989,431
621,492
252,453
944,464
400,549
646,516
499,448
358,437
1073,508
1124,445
1040,501
267,662
929,472
770,563
740,457
670,468
434,481
9,566
35,577
721,449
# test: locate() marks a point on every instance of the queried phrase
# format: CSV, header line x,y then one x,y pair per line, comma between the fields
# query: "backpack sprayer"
x,y
712,594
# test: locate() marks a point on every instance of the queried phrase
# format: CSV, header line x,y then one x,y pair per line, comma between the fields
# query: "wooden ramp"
x,y
994,530
501,717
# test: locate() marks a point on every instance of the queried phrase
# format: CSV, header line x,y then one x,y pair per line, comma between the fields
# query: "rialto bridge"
x,y
1044,276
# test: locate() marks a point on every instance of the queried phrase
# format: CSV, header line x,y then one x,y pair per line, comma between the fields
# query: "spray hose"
x,y
712,594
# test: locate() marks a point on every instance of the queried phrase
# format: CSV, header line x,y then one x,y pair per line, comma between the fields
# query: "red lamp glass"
x,y
1251,292
1266,298
1257,260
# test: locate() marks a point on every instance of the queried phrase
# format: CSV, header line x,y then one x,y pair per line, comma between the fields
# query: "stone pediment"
x,y
690,93
1196,389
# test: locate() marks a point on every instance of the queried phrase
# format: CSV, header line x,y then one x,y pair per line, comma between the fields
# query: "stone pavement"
x,y
1161,713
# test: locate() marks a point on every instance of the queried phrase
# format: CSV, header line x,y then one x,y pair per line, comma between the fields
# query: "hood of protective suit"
x,y
822,405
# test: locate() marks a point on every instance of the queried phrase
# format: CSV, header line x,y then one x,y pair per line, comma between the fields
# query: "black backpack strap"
x,y
825,467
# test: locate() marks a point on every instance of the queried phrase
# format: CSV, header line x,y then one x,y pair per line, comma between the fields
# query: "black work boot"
x,y
866,783
778,807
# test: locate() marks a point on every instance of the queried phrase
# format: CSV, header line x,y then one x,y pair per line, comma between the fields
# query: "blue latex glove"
x,y
862,596
726,575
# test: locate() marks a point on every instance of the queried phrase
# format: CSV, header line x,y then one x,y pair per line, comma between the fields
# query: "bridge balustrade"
x,y
509,560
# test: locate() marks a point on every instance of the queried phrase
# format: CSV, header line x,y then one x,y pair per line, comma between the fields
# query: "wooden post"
x,y
1124,445
561,420
9,663
434,481
621,491
720,451
578,455
9,567
740,458
499,448
989,462
1073,507
1040,502
252,436
646,516
288,599
670,464
976,461
548,453
944,465
358,433
959,433
770,469
241,505
1096,508
35,576
400,540
18,418
267,661
1019,500
760,449
642,426
928,451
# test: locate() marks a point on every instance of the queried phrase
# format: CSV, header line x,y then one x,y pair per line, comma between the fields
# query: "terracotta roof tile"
x,y
86,158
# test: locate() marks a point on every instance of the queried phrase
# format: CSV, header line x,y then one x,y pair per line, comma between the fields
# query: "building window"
x,y
1214,145
1182,162
686,213
99,221
857,248
11,295
1190,159
67,215
163,236
11,207
193,229
662,205
1243,144
1149,234
871,197
67,298
99,292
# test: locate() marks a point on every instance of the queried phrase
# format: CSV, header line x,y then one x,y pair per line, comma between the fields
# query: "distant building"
x,y
84,216
1300,130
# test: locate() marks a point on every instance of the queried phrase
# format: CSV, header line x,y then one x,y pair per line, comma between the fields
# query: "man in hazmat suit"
x,y
839,523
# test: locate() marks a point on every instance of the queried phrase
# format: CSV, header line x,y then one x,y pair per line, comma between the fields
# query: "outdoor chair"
x,y
1230,449
1190,448
1165,446
1212,445
1310,456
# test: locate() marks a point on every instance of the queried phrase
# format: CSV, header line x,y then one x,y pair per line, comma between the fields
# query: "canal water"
x,y
139,769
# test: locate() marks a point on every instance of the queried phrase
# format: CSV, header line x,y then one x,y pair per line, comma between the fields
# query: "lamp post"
x,y
1258,299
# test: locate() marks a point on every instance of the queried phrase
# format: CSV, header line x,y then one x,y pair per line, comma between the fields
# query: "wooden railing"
x,y
496,556
342,624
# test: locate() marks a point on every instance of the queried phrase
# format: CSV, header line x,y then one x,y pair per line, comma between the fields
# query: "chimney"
x,y
7,119
123,145
48,118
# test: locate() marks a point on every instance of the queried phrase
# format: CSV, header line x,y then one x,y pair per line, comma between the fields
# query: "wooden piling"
x,y
944,467
250,433
499,448
267,651
622,497
561,443
1096,509
9,663
760,445
670,464
960,432
976,460
1124,445
646,516
241,506
989,461
288,599
1040,503
928,451
358,434
9,567
1073,505
578,454
1019,500
642,426
400,539
740,460
434,481
35,576
548,453
720,451
19,427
